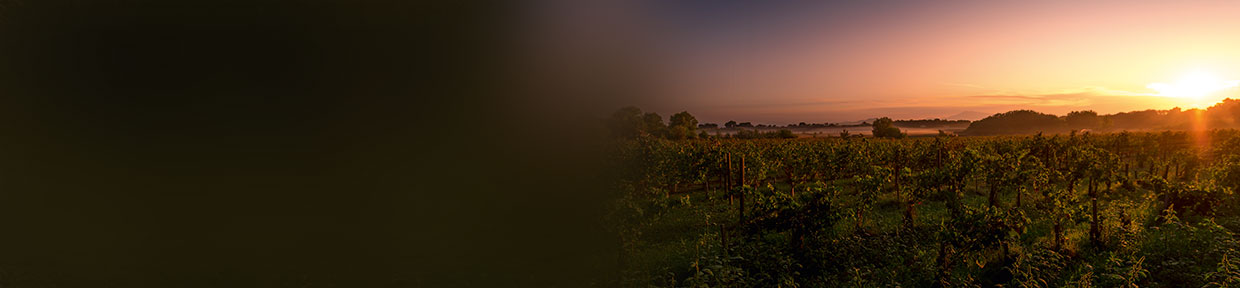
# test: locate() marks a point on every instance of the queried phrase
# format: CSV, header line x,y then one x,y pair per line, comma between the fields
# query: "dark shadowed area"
x,y
272,144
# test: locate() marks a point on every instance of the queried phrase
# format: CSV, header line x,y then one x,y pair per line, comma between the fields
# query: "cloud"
x,y
1076,97
1058,102
1063,99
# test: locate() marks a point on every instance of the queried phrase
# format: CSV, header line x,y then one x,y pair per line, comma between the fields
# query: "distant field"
x,y
835,131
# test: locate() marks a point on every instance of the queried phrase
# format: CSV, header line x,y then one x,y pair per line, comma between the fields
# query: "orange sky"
x,y
791,61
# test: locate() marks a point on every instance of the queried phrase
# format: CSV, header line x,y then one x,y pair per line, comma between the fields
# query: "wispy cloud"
x,y
987,101
1062,99
1075,97
1101,99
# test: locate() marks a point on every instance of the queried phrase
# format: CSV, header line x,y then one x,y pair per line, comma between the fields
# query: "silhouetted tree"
x,y
1083,120
884,127
683,119
1015,122
653,124
626,122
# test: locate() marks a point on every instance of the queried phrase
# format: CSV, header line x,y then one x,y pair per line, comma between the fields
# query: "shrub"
x,y
1178,254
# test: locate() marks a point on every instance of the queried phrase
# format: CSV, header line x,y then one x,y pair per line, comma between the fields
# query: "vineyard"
x,y
1074,210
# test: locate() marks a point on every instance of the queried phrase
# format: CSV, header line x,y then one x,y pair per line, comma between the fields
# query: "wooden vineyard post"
x,y
707,182
794,188
1020,191
791,183
742,191
1127,175
728,177
742,180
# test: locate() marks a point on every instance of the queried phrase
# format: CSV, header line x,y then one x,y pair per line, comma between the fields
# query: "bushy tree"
x,y
785,133
885,128
652,124
1015,122
1083,120
626,122
683,119
679,132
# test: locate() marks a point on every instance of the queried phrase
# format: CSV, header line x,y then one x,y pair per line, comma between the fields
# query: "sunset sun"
x,y
1195,85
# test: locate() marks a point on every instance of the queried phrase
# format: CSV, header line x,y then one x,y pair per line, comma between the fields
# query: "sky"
x,y
783,61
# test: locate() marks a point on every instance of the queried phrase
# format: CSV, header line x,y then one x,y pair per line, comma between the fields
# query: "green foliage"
x,y
1227,171
943,211
755,134
902,258
713,268
1226,273
1187,200
976,230
1038,267
1178,254
1122,270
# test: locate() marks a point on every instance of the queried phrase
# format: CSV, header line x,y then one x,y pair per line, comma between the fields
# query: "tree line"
x,y
630,122
1225,114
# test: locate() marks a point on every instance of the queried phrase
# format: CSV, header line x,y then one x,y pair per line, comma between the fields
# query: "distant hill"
x,y
1017,122
968,115
1225,114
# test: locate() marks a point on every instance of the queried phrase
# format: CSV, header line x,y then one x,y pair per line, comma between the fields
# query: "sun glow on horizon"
x,y
1195,85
